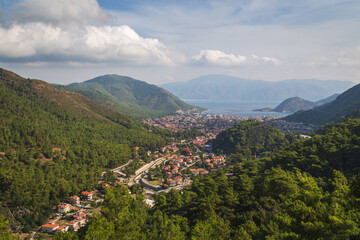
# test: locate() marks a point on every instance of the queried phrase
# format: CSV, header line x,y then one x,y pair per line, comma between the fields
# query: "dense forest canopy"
x,y
251,138
277,197
55,143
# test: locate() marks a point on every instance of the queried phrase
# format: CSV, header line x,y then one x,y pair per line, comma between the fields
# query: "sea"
x,y
237,108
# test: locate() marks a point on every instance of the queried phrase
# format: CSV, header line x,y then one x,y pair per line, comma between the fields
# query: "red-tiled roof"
x,y
50,225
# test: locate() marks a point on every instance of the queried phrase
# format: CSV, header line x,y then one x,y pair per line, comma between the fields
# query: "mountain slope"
x,y
345,104
222,87
250,138
132,97
54,144
327,100
296,104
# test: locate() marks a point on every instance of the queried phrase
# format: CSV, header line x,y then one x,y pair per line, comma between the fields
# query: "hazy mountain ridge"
x,y
132,97
221,87
347,103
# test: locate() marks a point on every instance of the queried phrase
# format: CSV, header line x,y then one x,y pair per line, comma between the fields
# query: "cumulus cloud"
x,y
216,57
74,31
40,41
61,11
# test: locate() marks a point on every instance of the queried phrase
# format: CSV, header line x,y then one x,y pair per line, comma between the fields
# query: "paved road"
x,y
138,174
117,169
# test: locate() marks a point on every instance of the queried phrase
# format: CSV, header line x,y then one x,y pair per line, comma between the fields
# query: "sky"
x,y
160,41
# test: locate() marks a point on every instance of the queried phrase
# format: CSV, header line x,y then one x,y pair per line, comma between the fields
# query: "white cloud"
x,y
216,57
61,11
339,58
44,42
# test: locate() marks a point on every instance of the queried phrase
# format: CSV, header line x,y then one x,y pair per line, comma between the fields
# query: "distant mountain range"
x,y
132,97
222,87
346,104
296,104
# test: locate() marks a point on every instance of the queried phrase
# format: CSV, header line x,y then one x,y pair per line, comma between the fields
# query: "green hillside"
x,y
348,103
54,144
310,190
132,97
293,105
251,138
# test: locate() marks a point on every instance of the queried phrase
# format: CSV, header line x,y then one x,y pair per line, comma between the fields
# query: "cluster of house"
x,y
214,161
172,169
203,122
286,127
198,171
202,140
172,147
78,219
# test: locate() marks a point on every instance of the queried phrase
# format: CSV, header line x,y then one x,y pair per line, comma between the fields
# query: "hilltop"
x,y
296,104
54,143
346,104
134,98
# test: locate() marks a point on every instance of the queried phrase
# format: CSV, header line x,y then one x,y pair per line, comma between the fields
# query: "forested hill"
x,y
251,138
132,97
55,143
293,105
347,103
309,190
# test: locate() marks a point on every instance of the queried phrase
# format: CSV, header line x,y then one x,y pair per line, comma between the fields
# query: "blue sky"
x,y
161,41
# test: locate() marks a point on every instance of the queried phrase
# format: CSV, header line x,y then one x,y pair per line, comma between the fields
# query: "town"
x,y
214,124
173,166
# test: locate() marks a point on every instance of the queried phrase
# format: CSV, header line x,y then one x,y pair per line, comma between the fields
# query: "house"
x,y
49,227
178,180
194,171
171,182
175,169
62,229
187,151
204,172
168,174
81,214
64,208
86,195
74,225
105,185
74,200
207,160
81,221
